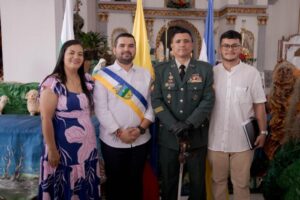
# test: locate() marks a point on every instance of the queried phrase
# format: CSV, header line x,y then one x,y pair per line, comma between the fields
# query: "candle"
x,y
167,54
166,41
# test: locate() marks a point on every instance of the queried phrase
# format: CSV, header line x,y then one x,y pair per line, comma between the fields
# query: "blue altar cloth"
x,y
21,144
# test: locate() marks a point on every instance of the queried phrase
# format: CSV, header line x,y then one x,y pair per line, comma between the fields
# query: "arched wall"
x,y
183,24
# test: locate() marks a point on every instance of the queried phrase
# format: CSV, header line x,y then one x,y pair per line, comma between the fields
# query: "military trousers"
x,y
169,173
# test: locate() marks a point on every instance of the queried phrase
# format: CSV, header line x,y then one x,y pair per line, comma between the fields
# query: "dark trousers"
x,y
169,171
124,170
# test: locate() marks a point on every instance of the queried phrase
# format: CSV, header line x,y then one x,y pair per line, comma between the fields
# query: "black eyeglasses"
x,y
232,46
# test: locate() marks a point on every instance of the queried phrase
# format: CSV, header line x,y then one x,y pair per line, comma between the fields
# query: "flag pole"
x,y
67,32
166,40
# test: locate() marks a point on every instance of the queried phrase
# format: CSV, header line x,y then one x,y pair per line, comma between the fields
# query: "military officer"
x,y
182,99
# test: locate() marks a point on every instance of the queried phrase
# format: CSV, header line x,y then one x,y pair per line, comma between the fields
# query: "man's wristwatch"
x,y
264,133
142,130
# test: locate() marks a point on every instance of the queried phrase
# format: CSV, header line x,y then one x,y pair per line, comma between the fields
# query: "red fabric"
x,y
150,184
181,2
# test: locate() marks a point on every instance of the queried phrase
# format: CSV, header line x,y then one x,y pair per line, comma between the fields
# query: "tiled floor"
x,y
253,197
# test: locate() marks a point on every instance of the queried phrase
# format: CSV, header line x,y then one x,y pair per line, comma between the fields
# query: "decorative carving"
x,y
117,6
103,17
149,26
240,10
196,13
184,24
262,20
149,22
231,19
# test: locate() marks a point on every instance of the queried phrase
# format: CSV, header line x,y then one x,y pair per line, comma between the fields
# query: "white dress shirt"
x,y
186,64
113,113
235,91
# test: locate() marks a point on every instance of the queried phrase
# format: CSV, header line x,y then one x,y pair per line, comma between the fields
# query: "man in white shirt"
x,y
123,107
239,95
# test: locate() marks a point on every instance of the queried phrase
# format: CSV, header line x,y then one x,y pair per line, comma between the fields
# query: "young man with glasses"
x,y
239,95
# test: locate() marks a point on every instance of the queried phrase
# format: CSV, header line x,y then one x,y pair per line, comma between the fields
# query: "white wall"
x,y
31,32
152,3
120,20
262,2
29,38
283,21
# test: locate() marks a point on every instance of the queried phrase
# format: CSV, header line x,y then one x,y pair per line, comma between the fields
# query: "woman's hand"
x,y
53,157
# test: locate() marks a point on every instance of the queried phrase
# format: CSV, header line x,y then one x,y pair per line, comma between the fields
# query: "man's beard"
x,y
127,60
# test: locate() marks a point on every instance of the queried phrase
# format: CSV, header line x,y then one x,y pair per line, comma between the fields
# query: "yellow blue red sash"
x,y
123,90
122,82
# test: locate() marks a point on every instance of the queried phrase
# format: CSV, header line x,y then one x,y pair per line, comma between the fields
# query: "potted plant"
x,y
95,47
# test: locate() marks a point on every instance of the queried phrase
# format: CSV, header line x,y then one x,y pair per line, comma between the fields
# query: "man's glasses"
x,y
228,46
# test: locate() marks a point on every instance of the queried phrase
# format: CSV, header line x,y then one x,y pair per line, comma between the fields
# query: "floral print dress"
x,y
78,174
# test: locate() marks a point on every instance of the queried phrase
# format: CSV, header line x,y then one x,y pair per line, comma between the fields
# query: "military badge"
x,y
195,97
169,96
195,78
152,87
171,77
158,109
170,82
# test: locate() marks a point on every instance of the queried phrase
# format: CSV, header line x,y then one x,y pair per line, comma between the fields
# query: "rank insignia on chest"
x,y
170,82
195,97
123,91
195,78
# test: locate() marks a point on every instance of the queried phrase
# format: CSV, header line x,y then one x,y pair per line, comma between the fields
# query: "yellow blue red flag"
x,y
142,57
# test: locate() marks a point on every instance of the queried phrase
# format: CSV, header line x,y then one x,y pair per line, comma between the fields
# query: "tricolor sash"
x,y
123,82
121,89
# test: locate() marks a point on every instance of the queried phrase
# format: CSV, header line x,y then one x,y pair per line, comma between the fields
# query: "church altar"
x,y
20,150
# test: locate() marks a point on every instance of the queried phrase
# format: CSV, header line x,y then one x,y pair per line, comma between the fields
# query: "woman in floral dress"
x,y
70,163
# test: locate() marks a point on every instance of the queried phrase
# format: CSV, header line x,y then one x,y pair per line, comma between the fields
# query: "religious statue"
x,y
160,52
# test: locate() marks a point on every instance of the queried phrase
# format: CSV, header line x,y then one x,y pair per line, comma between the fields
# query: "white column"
x,y
261,42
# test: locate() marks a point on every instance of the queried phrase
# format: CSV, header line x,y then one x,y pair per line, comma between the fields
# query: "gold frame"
x,y
283,46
